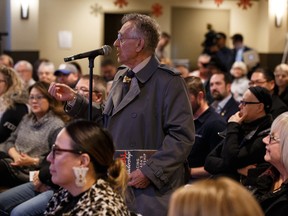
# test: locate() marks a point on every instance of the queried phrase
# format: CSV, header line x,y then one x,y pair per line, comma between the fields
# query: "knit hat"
x,y
263,95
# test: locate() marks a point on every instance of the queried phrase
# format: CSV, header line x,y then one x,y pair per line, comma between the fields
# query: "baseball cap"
x,y
66,69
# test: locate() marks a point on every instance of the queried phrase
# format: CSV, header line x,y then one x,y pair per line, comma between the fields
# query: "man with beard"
x,y
220,89
207,125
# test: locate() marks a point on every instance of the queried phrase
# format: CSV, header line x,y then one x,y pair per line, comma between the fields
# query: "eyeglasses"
x,y
273,139
244,103
84,90
56,149
2,81
36,97
122,39
257,82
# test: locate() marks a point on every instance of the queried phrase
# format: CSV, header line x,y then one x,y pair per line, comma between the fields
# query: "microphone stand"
x,y
91,66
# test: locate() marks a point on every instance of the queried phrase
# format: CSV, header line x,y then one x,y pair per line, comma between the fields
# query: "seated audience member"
x,y
108,69
183,69
67,74
242,144
46,72
99,94
82,164
207,125
14,200
266,79
36,65
281,79
13,103
26,147
240,82
220,88
25,70
202,71
6,60
214,197
271,188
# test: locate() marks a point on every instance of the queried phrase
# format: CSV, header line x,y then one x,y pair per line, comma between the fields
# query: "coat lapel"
x,y
114,103
132,93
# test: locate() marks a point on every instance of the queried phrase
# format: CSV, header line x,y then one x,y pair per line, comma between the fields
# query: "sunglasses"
x,y
244,103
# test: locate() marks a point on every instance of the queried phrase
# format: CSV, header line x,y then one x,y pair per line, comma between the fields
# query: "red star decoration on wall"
x,y
218,2
121,3
245,4
157,9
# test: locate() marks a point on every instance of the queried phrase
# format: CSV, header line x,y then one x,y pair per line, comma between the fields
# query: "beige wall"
x,y
48,17
24,33
186,41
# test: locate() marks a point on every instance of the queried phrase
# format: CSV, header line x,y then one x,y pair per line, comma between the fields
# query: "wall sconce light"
x,y
24,9
278,9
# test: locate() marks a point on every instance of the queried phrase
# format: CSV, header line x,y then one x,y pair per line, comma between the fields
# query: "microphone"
x,y
105,50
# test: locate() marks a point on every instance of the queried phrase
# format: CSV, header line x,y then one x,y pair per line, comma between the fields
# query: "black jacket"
x,y
273,203
242,146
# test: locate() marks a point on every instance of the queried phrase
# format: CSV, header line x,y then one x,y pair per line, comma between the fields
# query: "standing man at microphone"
x,y
155,114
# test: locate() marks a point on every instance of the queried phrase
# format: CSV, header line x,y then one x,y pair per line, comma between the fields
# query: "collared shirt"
x,y
141,65
222,103
239,54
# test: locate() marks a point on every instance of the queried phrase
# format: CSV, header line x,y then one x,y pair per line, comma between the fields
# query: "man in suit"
x,y
155,114
220,88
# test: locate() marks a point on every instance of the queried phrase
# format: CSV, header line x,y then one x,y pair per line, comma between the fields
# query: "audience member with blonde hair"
x,y
12,101
26,147
214,197
240,82
6,60
281,79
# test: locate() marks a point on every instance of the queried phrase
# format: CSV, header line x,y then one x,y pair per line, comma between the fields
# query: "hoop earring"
x,y
80,174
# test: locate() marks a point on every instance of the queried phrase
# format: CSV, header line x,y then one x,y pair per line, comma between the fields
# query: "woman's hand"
x,y
24,160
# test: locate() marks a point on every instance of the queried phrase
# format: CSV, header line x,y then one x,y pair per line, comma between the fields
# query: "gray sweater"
x,y
33,138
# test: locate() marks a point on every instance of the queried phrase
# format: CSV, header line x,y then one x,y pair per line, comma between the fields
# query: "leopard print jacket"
x,y
99,200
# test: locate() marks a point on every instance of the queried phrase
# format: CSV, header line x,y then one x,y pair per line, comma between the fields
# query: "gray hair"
x,y
145,26
280,125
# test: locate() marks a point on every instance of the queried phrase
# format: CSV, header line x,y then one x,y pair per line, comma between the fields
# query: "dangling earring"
x,y
80,174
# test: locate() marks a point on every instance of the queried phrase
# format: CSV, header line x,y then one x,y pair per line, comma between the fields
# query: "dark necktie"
x,y
127,81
